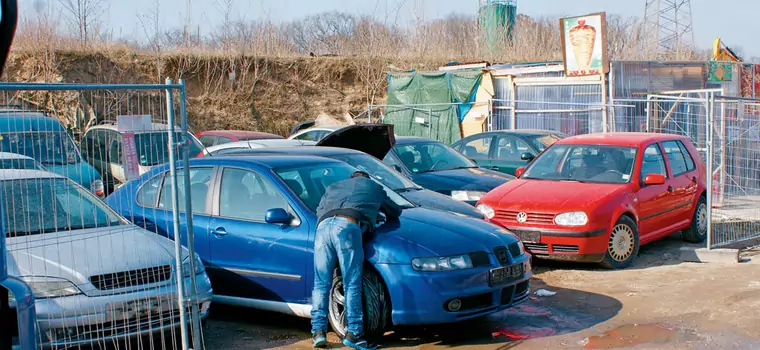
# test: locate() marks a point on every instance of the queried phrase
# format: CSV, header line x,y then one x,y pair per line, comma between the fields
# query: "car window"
x,y
38,206
653,163
687,156
309,136
431,156
675,157
378,170
200,179
584,163
543,142
147,196
391,162
510,148
115,150
478,148
248,195
207,140
312,181
222,140
46,147
153,147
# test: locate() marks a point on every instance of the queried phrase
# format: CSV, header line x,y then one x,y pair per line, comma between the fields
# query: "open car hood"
x,y
302,125
373,139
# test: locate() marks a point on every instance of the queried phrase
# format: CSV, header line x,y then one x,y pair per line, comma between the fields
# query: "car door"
x,y
654,201
249,257
507,155
684,180
479,150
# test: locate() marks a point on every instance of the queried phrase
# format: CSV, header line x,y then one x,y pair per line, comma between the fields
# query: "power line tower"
x,y
669,29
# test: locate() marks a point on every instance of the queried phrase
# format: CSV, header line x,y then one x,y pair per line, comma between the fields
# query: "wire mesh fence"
x,y
98,279
726,131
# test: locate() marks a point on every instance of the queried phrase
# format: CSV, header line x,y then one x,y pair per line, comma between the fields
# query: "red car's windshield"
x,y
584,163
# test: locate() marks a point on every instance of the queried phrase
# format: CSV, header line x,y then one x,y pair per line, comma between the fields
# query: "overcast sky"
x,y
728,19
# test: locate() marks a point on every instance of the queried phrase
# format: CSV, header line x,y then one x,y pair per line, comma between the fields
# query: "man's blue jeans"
x,y
338,241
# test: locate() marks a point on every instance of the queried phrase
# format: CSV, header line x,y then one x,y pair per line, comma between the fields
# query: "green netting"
x,y
427,99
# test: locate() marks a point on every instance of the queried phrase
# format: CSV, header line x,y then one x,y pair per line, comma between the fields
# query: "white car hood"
x,y
78,255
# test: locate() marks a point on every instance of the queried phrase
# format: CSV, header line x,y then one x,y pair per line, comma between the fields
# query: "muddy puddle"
x,y
638,334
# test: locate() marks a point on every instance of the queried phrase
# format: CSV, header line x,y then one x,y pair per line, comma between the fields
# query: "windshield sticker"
x,y
626,177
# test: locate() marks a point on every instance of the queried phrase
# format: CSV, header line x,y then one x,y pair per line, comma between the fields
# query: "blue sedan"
x,y
254,223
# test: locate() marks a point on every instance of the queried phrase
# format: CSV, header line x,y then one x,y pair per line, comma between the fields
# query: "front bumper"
x,y
420,298
564,245
80,320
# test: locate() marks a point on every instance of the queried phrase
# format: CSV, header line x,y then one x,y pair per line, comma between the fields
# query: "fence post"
x,y
176,218
649,112
192,296
605,116
710,100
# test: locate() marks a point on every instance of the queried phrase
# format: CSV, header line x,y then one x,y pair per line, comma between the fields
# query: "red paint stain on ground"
x,y
523,333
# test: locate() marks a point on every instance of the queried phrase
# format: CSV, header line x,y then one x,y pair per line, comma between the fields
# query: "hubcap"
x,y
621,243
338,308
702,219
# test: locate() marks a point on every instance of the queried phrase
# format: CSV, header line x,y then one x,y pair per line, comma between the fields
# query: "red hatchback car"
x,y
597,198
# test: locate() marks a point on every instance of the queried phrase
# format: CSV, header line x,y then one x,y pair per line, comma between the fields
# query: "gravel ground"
x,y
659,303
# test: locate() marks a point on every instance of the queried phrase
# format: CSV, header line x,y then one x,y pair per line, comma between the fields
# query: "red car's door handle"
x,y
670,188
694,179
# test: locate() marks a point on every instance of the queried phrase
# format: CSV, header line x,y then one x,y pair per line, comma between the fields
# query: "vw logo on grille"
x,y
522,217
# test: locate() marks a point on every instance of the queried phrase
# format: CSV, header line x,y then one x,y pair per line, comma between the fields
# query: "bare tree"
x,y
83,15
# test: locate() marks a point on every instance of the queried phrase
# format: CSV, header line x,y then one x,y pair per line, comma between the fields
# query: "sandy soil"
x,y
660,303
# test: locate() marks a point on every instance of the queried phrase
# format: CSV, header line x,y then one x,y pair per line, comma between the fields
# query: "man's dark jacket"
x,y
359,198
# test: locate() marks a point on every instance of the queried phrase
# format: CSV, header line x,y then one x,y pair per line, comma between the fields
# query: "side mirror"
x,y
527,156
277,216
397,168
519,172
654,179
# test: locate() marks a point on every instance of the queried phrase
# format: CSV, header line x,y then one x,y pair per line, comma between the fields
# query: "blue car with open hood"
x,y
254,224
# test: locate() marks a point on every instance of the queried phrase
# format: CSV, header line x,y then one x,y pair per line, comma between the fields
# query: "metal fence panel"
x,y
100,280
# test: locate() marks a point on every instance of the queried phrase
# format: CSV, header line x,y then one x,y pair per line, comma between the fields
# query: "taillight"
x,y
98,189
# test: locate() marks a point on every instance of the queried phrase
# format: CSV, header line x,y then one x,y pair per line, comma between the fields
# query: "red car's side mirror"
x,y
519,172
654,179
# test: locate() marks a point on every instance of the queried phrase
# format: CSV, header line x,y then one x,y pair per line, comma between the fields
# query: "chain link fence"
x,y
98,280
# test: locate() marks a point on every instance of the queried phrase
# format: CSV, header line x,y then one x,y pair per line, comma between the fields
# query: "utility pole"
x,y
188,22
669,29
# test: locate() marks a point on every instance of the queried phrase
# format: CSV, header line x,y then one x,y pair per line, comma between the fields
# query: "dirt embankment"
x,y
233,92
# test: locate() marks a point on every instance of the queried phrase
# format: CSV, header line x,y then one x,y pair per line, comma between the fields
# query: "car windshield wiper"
x,y
408,189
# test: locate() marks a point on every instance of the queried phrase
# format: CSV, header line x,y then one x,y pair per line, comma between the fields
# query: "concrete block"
x,y
703,255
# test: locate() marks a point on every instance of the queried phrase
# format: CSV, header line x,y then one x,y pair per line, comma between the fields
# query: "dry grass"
x,y
260,75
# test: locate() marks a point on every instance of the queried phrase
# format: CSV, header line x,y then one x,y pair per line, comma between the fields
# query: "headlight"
x,y
467,195
486,210
458,262
576,218
199,268
51,287
97,188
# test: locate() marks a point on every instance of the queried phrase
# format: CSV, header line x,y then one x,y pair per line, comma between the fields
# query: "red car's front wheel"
x,y
623,246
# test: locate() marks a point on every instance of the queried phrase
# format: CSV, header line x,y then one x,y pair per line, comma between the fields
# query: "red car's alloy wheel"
x,y
622,243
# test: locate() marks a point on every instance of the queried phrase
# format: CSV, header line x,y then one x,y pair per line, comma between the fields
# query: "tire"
x,y
376,306
623,247
697,232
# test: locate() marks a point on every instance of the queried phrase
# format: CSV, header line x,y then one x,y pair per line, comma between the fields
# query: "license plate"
x,y
138,309
529,236
504,274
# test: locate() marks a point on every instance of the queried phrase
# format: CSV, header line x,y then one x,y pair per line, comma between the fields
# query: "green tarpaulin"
x,y
424,103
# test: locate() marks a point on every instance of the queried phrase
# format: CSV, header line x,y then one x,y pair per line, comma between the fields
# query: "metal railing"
x,y
99,280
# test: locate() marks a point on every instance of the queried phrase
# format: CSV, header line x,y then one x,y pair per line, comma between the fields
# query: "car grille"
x,y
536,247
91,333
132,278
514,249
564,248
531,218
501,255
479,259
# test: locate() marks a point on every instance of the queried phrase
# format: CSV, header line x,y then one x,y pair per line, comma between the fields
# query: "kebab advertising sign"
x,y
584,44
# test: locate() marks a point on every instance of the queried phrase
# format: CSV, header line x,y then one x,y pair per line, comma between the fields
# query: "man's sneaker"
x,y
319,340
356,342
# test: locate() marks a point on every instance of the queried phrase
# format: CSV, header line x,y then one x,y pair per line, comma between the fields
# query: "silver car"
x,y
95,276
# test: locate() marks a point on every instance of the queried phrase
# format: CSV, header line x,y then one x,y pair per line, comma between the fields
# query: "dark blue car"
x,y
440,168
254,228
